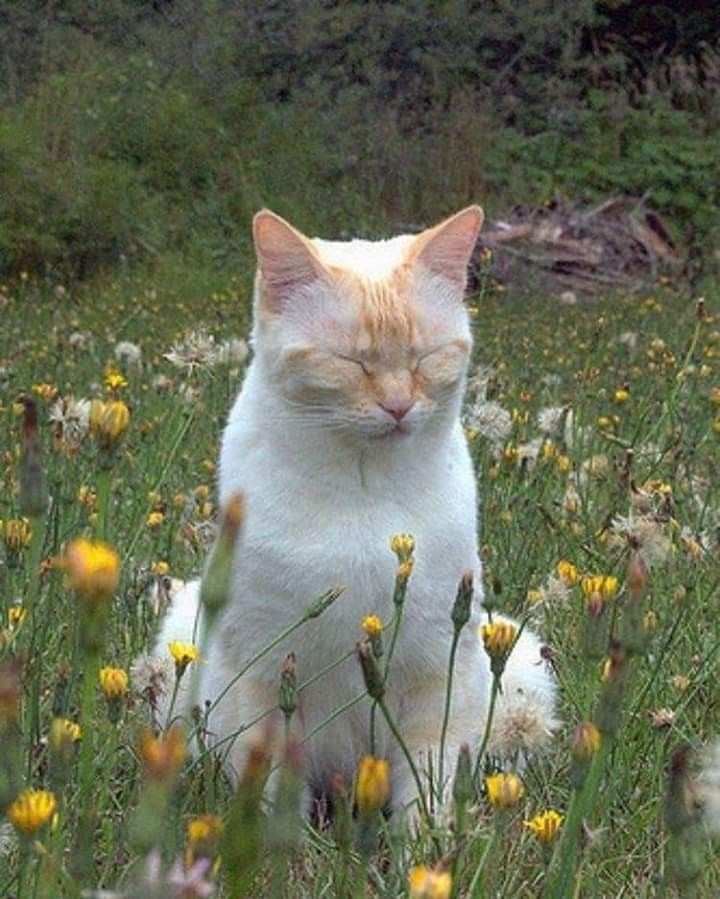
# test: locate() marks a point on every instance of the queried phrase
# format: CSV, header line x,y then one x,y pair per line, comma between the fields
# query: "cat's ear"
x,y
286,258
446,249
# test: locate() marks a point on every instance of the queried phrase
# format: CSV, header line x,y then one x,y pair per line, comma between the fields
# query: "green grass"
x,y
540,354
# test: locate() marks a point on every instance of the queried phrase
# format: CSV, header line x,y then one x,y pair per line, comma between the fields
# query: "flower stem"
x,y
446,713
494,690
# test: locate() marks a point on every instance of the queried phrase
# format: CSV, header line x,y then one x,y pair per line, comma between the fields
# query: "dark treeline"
x,y
130,129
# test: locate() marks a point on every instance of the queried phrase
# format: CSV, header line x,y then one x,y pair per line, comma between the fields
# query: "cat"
x,y
346,431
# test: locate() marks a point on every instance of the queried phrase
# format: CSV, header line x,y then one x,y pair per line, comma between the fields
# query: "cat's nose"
x,y
397,408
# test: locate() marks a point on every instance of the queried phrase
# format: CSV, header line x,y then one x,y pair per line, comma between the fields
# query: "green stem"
x,y
562,870
494,690
104,483
408,758
446,713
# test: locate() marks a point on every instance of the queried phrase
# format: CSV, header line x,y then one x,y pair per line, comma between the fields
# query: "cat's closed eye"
x,y
354,361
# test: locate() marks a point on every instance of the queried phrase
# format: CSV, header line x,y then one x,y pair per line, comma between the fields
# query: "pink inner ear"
x,y
286,258
446,249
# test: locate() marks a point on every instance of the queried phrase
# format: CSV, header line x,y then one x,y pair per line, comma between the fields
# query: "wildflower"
x,y
490,420
16,534
585,741
372,785
374,681
642,533
151,677
681,683
523,726
661,718
70,420
46,392
63,737
16,616
373,626
32,810
108,422
287,701
498,637
428,883
196,350
567,572
127,352
546,825
183,654
114,380
113,682
161,568
203,836
504,790
155,519
163,755
403,545
92,568
551,419
604,586
621,395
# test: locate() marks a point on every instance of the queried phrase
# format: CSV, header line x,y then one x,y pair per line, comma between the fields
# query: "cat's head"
x,y
364,338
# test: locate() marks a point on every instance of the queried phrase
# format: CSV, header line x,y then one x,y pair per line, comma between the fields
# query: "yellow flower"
x,y
114,380
204,828
113,682
16,533
498,637
202,492
155,519
93,569
563,463
425,883
161,568
183,654
373,626
16,615
46,392
372,786
534,596
504,790
546,825
622,395
64,734
163,755
585,741
405,569
32,810
567,572
403,545
606,586
108,422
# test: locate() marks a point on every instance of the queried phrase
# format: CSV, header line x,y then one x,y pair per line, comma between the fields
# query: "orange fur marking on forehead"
x,y
384,308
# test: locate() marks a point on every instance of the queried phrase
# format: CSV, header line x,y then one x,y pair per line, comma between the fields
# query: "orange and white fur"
x,y
346,431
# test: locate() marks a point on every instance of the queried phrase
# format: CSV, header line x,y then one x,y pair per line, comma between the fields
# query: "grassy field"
x,y
618,477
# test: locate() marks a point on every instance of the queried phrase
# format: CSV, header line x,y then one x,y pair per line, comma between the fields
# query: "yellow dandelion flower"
x,y
426,883
546,825
113,682
92,568
498,637
202,492
504,790
621,395
108,422
63,736
585,741
372,786
46,392
163,755
567,572
183,654
16,533
114,380
605,586
373,626
403,545
204,828
154,519
32,810
16,616
563,463
161,568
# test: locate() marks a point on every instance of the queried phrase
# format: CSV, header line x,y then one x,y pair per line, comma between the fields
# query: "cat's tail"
x,y
525,717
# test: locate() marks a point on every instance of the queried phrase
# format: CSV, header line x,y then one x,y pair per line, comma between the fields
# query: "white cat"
x,y
347,431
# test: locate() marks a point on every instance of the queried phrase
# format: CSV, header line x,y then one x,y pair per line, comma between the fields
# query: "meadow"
x,y
595,428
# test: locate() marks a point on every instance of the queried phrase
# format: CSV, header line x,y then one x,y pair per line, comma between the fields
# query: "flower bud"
x,y
372,785
288,686
371,672
462,607
504,791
